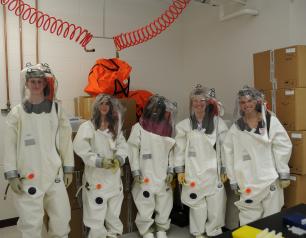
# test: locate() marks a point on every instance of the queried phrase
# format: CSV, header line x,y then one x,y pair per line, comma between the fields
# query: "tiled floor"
x,y
175,232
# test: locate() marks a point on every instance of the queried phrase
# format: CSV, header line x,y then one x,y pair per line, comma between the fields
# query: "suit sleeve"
x,y
82,146
222,129
65,142
134,148
11,144
281,148
180,148
228,150
122,149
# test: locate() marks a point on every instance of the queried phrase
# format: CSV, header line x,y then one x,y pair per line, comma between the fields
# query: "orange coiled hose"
x,y
143,34
48,23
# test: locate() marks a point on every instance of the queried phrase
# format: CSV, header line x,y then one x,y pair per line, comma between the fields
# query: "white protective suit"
x,y
102,188
203,192
31,145
254,162
151,157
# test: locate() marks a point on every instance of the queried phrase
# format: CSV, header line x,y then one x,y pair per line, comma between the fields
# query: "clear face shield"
x,y
108,110
159,116
250,106
203,107
38,80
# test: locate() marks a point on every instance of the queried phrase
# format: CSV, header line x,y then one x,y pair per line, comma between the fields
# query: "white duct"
x,y
246,11
222,4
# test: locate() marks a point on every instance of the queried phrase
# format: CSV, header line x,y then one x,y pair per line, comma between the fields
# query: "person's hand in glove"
x,y
181,178
284,183
236,191
116,165
16,185
269,234
235,188
138,179
107,163
68,179
169,179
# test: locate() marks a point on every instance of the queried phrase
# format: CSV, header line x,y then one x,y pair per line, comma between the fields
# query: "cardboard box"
x,y
75,203
76,224
268,98
290,67
83,106
130,117
78,163
127,177
261,62
297,161
295,193
128,213
291,109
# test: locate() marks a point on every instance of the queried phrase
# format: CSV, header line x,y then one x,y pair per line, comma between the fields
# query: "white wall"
x,y
297,22
219,54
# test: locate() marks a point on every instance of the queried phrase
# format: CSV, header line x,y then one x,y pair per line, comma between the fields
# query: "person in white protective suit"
x,y
102,147
257,150
151,163
38,160
198,163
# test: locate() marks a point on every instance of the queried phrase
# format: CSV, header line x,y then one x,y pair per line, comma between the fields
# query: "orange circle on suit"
x,y
192,184
146,180
99,186
30,176
248,190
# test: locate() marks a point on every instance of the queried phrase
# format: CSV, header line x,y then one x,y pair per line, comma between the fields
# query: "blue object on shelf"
x,y
294,219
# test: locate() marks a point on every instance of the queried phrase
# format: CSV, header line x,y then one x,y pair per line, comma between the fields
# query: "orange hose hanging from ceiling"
x,y
143,34
122,41
48,23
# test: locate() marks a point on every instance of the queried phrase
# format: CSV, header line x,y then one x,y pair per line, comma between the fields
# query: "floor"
x,y
175,232
10,232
